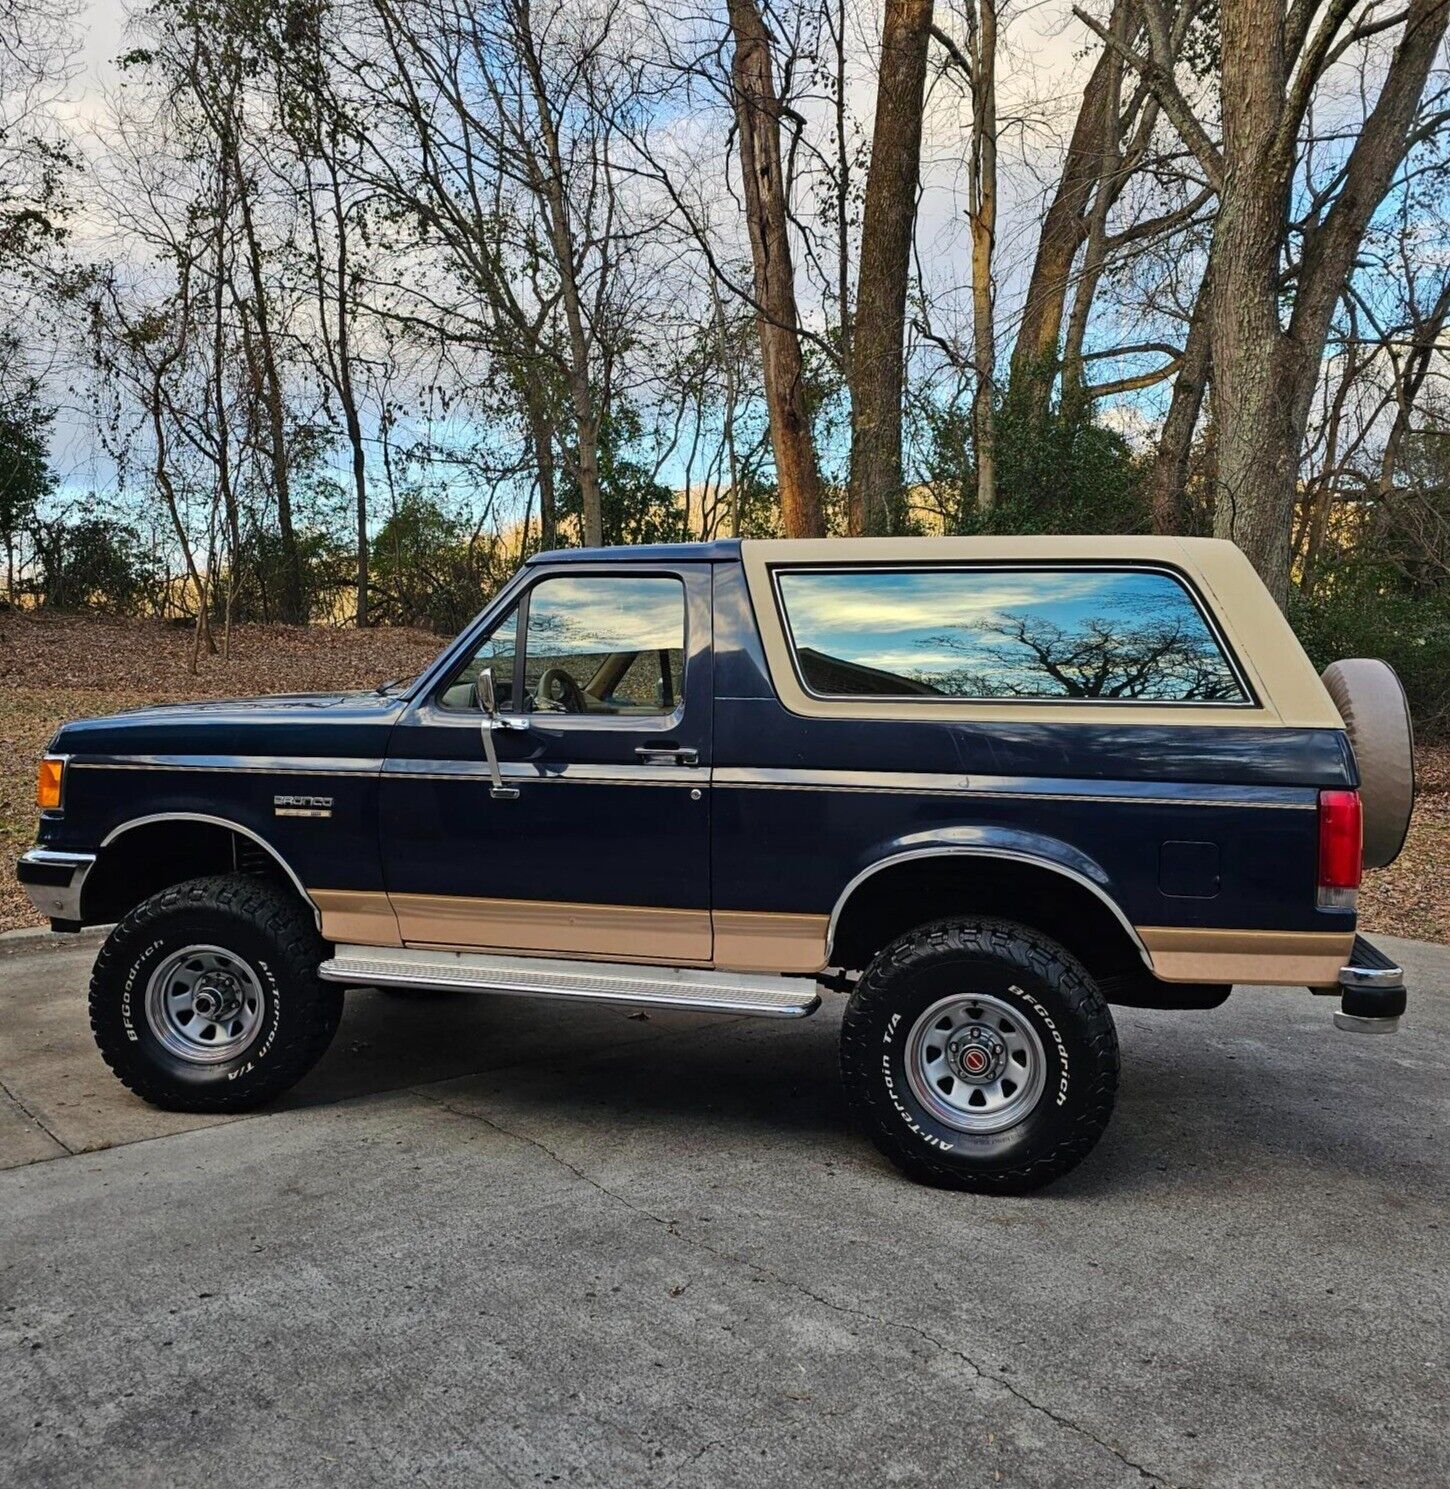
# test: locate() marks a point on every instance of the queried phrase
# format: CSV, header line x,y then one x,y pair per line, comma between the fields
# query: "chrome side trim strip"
x,y
983,852
305,765
226,822
567,774
914,783
57,857
1023,788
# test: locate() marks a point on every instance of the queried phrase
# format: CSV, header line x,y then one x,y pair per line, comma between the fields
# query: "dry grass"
x,y
53,669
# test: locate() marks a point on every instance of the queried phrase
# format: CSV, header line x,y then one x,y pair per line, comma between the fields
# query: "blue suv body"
x,y
985,786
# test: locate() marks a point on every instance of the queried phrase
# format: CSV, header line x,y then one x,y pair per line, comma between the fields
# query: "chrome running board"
x,y
590,982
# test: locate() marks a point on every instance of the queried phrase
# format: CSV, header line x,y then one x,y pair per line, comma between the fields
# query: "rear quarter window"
x,y
1101,635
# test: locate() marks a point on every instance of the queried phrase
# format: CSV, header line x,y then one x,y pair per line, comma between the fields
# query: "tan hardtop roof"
x,y
1285,684
1032,547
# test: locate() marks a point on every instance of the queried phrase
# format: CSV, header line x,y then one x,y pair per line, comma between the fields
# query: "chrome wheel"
x,y
975,1063
205,1004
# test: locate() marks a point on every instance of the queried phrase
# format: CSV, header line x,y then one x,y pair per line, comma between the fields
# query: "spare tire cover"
x,y
1376,715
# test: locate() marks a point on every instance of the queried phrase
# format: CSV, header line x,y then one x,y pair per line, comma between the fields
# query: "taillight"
x,y
1341,849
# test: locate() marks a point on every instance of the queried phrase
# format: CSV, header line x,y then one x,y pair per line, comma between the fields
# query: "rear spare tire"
x,y
1376,714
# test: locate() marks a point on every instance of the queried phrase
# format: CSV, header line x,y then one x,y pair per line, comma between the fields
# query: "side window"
x,y
496,652
1095,635
601,644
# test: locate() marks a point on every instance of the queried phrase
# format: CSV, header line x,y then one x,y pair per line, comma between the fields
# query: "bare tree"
x,y
878,330
1264,369
323,134
1065,225
758,118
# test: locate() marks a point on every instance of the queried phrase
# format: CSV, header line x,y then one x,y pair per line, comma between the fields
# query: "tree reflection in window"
x,y
1123,636
609,644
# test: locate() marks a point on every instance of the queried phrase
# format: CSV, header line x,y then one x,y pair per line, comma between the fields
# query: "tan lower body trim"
x,y
1288,958
744,940
766,941
359,916
632,933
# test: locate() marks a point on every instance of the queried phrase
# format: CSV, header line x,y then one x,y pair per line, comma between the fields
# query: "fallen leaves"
x,y
54,668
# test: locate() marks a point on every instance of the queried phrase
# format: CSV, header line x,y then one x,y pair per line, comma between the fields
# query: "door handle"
x,y
666,755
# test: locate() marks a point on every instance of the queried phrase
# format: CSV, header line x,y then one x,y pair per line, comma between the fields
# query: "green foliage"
x,y
96,564
25,475
1365,610
1066,473
428,570
258,575
635,508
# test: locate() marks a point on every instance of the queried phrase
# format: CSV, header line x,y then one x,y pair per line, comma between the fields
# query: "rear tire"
x,y
979,1055
206,998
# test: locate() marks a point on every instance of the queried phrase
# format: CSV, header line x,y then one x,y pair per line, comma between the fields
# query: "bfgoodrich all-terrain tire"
x,y
980,1055
206,997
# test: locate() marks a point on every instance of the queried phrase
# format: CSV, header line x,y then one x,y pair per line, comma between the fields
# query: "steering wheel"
x,y
558,692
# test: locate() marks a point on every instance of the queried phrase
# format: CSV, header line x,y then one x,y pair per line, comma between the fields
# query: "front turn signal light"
x,y
47,785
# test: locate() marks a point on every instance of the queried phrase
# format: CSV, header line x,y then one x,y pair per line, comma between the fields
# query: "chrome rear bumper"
x,y
1372,991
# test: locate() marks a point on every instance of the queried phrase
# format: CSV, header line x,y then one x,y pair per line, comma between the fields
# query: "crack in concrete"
x,y
671,1228
10,1096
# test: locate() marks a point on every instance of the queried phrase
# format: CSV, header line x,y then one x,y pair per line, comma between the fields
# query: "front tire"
x,y
206,998
979,1055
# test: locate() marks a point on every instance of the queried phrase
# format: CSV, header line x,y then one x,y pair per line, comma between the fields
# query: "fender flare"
x,y
1034,849
121,829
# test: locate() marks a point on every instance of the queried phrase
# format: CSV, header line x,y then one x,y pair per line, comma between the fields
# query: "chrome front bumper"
x,y
1372,991
54,881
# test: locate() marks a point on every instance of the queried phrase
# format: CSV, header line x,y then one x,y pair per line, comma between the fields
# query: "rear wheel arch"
x,y
145,855
910,888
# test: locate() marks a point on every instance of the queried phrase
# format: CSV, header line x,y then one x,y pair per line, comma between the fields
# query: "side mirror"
x,y
487,694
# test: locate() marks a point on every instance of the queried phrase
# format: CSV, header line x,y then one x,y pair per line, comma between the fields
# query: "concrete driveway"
x,y
494,1242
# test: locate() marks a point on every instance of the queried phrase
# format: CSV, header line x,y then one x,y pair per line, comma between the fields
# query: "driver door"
x,y
603,676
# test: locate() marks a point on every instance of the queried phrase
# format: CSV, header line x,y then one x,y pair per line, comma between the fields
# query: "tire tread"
x,y
314,1007
1058,969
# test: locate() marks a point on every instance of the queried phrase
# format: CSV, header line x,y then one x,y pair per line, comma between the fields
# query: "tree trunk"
x,y
982,194
1167,506
758,115
1064,229
1264,377
347,393
541,440
1407,386
217,388
293,608
889,219
555,199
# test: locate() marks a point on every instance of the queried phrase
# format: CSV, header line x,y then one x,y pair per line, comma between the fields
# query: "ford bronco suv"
x,y
985,787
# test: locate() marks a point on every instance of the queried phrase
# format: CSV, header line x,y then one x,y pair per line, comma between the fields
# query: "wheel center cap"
x,y
977,1055
215,999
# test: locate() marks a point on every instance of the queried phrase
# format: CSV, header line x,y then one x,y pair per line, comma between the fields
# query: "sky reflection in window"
x,y
992,633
